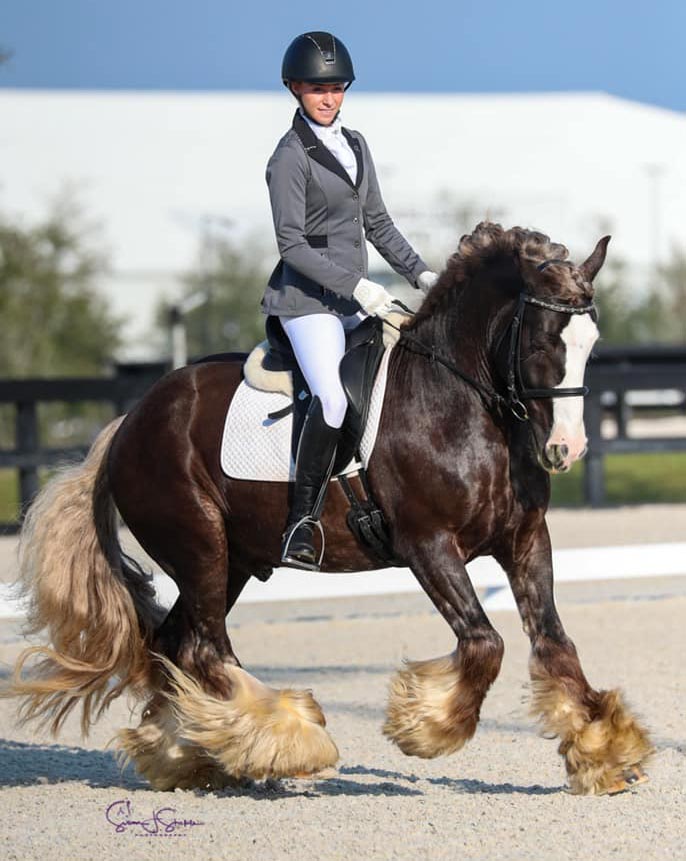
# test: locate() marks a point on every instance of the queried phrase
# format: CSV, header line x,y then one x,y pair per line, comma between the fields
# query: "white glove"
x,y
373,298
426,281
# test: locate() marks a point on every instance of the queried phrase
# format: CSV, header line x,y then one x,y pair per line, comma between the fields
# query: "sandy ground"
x,y
635,524
501,797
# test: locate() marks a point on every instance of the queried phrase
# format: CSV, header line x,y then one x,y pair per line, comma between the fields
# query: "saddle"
x,y
358,369
273,366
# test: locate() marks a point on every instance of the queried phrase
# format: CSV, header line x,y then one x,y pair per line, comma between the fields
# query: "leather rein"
x,y
517,392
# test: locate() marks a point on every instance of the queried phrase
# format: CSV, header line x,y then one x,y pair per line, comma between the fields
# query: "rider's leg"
x,y
318,342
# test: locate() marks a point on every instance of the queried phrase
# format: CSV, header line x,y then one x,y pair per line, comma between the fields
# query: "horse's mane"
x,y
489,239
486,244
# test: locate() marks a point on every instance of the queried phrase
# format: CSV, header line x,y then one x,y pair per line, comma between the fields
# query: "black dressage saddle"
x,y
363,353
358,369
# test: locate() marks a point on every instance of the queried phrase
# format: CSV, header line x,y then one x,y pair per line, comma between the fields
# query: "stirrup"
x,y
296,563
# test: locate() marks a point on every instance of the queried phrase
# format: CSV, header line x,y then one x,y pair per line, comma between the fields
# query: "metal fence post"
x,y
27,444
594,467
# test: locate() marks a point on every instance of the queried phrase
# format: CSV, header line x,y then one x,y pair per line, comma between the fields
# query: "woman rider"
x,y
325,201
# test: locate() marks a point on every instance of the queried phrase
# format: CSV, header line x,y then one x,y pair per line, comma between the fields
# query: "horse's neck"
x,y
463,336
430,403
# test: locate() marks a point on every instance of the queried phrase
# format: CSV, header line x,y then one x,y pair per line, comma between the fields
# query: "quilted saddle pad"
x,y
257,448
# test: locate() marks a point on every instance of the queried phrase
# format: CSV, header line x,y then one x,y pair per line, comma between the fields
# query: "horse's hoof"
x,y
630,778
321,774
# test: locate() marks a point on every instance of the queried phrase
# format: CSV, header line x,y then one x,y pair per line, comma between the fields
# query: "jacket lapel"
x,y
357,149
323,156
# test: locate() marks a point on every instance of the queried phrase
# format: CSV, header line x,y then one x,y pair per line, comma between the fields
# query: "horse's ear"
x,y
590,267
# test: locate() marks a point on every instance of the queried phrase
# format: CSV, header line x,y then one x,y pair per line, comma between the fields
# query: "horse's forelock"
x,y
565,283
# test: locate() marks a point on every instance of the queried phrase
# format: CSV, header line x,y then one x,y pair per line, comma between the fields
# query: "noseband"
x,y
517,391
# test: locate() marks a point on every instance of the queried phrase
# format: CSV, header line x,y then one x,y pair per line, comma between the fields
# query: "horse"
x,y
484,400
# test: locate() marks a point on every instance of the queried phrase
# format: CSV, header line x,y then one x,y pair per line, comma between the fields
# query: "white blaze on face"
x,y
579,336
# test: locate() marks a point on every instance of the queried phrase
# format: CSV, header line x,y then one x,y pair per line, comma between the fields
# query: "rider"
x,y
325,200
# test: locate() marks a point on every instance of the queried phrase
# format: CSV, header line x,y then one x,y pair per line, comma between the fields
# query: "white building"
x,y
154,168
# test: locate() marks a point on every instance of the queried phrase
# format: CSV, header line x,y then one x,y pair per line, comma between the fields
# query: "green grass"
x,y
629,479
9,492
9,495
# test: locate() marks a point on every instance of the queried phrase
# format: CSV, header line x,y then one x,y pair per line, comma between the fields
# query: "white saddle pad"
x,y
257,448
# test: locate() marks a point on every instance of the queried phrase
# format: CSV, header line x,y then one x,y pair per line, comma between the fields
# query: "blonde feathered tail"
x,y
95,603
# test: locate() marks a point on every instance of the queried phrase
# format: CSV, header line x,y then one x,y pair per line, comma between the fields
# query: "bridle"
x,y
517,391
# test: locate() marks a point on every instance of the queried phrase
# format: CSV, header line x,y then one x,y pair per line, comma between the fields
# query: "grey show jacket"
x,y
321,220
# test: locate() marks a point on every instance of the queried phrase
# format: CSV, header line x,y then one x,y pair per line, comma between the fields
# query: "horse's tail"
x,y
96,604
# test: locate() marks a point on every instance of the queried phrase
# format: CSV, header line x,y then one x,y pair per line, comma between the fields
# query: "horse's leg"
x,y
169,488
603,745
193,637
212,722
434,705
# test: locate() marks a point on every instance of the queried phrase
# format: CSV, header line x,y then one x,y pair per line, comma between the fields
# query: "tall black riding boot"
x,y
313,466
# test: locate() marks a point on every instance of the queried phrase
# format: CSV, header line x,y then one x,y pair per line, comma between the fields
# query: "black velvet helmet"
x,y
318,58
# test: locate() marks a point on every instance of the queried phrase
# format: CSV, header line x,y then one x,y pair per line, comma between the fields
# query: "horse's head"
x,y
515,314
557,330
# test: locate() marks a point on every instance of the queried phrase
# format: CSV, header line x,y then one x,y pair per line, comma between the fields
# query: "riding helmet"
x,y
317,58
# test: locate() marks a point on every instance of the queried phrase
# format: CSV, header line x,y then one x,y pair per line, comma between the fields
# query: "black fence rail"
x,y
617,377
613,376
29,454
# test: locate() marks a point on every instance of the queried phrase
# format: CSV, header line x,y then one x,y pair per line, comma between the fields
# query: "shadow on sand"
x,y
462,785
25,764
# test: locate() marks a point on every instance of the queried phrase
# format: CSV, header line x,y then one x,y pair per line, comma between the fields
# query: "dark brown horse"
x,y
484,399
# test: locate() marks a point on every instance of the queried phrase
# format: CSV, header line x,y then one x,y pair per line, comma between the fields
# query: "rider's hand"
x,y
426,281
373,298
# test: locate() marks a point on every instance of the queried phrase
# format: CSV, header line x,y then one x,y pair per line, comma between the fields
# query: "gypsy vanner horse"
x,y
484,399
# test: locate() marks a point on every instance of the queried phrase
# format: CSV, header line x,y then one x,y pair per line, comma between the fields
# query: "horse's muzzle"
x,y
556,458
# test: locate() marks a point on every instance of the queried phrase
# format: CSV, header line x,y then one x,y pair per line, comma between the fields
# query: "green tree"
x,y
53,322
652,315
621,314
228,279
673,296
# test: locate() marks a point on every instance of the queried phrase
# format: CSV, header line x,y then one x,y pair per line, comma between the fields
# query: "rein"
x,y
487,394
517,392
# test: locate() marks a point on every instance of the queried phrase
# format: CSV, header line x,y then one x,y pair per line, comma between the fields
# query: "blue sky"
x,y
633,50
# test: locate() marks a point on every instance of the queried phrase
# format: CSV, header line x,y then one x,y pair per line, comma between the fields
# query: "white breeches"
x,y
318,341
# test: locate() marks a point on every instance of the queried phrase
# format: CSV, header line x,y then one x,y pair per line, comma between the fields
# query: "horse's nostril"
x,y
564,450
555,450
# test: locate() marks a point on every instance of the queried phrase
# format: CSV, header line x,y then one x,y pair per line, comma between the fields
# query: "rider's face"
x,y
321,102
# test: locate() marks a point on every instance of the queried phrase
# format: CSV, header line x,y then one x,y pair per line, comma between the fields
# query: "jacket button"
x,y
357,243
356,196
356,219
